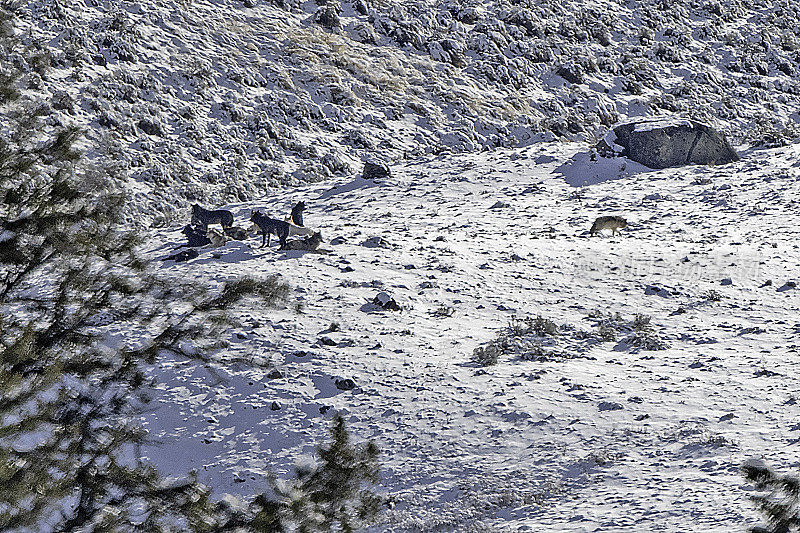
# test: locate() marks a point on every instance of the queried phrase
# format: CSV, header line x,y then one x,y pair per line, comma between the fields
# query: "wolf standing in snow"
x,y
282,229
204,217
268,226
608,222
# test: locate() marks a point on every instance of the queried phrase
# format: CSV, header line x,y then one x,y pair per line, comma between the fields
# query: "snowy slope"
x,y
606,438
212,101
483,223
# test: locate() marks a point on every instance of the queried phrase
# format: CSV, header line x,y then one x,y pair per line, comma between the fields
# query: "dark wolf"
x,y
185,255
269,226
196,236
204,217
309,244
297,213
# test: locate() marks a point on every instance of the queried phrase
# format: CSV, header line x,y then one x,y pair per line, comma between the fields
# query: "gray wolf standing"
x,y
204,217
608,222
269,226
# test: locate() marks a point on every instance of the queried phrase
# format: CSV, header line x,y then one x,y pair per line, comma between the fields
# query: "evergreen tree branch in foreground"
x,y
82,319
779,501
334,495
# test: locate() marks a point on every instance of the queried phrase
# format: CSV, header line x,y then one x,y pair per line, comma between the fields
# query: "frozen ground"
x,y
613,439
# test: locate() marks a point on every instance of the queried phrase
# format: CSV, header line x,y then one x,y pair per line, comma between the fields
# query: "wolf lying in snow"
x,y
196,236
235,233
199,236
185,255
608,222
309,244
216,237
204,217
280,228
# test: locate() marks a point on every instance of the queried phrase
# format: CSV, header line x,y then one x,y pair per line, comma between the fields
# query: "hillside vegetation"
x,y
214,101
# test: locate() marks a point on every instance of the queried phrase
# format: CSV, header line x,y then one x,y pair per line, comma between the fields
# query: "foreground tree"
x,y
779,501
333,495
81,321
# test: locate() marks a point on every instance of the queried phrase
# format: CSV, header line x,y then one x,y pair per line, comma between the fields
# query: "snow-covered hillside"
x,y
594,435
215,101
634,373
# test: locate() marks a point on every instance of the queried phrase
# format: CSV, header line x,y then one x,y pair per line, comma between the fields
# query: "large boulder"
x,y
662,143
376,170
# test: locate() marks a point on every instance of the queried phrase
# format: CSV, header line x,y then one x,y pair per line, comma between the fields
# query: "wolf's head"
x,y
255,215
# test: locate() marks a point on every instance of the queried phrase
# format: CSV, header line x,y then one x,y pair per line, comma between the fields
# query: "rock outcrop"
x,y
663,143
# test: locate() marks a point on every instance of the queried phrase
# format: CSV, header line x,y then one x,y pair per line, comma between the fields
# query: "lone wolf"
x,y
204,217
608,222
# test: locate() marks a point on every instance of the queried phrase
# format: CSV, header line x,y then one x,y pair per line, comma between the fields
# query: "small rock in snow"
x,y
376,242
385,301
345,384
326,341
610,406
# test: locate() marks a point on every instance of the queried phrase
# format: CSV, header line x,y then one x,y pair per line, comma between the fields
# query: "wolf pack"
x,y
199,234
